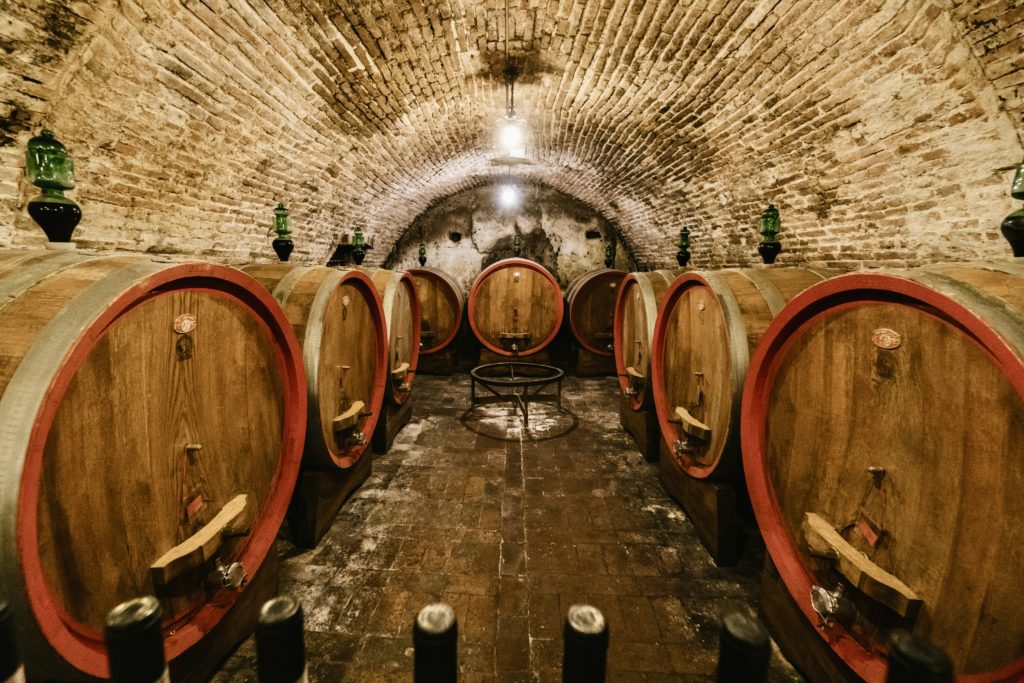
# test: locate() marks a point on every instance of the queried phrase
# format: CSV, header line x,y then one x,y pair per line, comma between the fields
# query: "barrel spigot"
x,y
231,576
827,603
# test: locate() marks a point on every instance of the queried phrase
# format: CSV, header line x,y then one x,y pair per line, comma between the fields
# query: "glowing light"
x,y
512,137
508,196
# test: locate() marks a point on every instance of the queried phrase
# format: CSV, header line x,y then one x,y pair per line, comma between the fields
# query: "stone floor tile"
x,y
510,533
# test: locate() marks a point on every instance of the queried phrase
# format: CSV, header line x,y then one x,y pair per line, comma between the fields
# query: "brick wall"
x,y
883,131
469,231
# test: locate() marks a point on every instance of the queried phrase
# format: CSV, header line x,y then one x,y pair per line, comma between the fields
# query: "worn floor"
x,y
510,533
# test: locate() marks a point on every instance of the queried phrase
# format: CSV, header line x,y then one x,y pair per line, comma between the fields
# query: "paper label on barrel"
x,y
185,323
887,339
868,531
193,507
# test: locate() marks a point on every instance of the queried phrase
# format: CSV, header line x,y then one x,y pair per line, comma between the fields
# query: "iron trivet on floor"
x,y
520,384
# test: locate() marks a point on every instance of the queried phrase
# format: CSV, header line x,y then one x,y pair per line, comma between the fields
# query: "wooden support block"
x,y
392,419
440,363
349,418
711,506
690,424
201,546
319,495
798,638
199,663
592,365
642,425
866,576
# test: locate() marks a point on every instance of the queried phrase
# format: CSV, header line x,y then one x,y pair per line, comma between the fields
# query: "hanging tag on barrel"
x,y
183,325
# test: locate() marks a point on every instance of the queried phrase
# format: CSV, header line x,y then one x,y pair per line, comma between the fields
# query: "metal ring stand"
x,y
522,388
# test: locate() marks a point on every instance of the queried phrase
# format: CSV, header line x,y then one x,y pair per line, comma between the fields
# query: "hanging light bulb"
x,y
508,196
512,137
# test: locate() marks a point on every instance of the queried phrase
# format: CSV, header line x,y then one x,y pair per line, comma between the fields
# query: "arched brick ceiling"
x,y
882,129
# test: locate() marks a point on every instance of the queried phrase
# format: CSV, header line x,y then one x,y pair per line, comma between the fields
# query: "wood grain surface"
x,y
891,406
441,304
590,299
139,397
515,301
636,310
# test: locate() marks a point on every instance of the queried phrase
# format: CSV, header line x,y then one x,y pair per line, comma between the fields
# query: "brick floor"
x,y
510,533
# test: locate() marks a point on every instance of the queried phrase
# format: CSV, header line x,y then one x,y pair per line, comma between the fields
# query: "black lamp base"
x,y
283,248
57,219
1013,230
769,251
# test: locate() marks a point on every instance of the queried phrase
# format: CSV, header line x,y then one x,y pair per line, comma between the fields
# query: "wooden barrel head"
x,y
339,320
895,414
441,303
352,368
702,351
636,310
142,397
515,303
707,324
402,312
591,301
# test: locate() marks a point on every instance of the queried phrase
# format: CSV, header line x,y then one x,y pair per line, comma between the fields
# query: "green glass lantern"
x,y
683,255
517,244
1013,225
358,246
49,167
282,244
771,224
423,254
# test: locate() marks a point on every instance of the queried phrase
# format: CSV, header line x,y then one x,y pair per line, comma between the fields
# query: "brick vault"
x,y
882,130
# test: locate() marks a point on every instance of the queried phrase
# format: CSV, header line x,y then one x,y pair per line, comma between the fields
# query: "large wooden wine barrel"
x,y
883,425
402,314
143,402
441,304
515,307
707,325
591,302
636,311
339,321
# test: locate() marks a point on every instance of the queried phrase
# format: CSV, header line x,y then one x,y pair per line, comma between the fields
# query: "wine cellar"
x,y
512,341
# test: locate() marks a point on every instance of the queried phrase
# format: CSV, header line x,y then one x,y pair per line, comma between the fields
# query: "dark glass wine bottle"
x,y
743,650
585,652
135,642
913,660
435,638
280,642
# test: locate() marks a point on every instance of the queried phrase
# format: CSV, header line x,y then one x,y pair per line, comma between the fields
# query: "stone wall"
x,y
469,231
883,131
